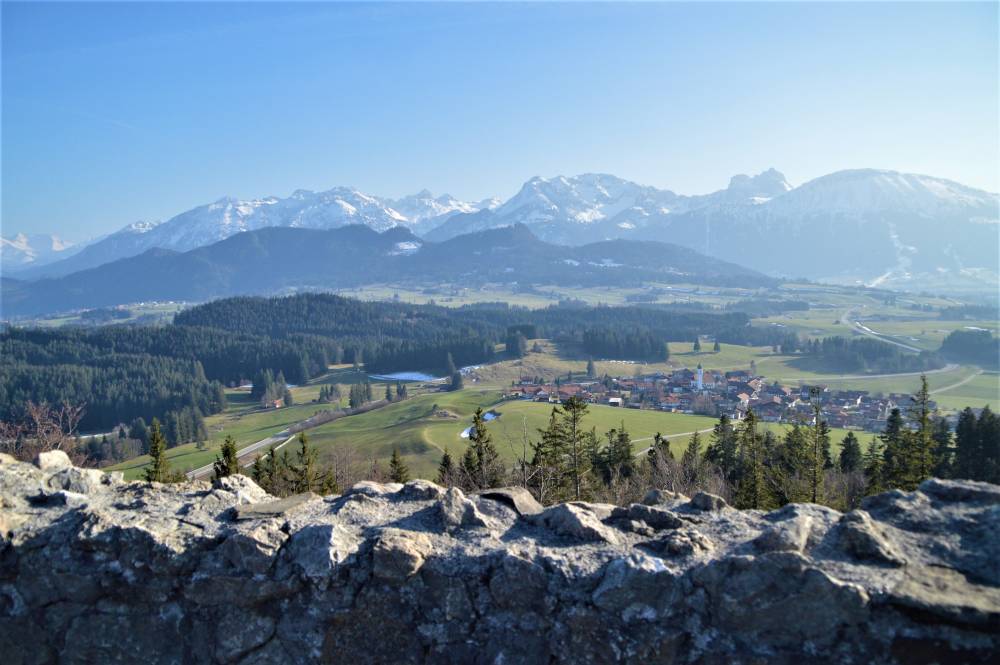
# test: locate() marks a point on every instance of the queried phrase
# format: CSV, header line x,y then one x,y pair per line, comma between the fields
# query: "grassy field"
x,y
421,428
979,391
245,421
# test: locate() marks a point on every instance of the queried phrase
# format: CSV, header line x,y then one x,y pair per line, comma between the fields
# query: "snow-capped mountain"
x,y
870,226
206,224
22,251
592,207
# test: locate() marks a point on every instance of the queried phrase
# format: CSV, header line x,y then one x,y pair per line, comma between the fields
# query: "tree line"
x,y
864,354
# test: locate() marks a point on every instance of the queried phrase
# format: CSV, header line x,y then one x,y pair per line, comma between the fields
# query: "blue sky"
x,y
118,112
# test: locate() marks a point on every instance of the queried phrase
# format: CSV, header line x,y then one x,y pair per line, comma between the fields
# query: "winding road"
x,y
857,326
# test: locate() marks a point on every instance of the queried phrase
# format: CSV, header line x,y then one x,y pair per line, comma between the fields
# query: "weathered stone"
x,y
421,490
457,511
245,489
278,508
861,538
708,502
657,497
789,535
947,595
517,498
373,489
239,631
575,521
964,490
684,542
318,549
637,586
399,554
658,518
52,460
95,570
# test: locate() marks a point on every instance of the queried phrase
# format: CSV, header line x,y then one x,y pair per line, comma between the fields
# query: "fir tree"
x,y
159,469
574,409
697,345
722,449
692,464
304,475
388,392
227,464
591,370
968,453
894,451
850,453
716,347
398,472
446,470
481,462
752,491
874,468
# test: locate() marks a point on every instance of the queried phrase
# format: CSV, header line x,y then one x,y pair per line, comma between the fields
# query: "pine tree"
x,y
481,463
752,491
850,453
456,381
894,450
227,464
988,431
697,345
692,465
967,446
920,453
943,452
659,451
591,370
159,469
716,347
398,472
304,474
574,409
722,449
446,470
874,468
388,392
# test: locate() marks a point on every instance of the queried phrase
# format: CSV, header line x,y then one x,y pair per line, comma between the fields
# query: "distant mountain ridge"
x,y
865,225
207,224
22,250
276,260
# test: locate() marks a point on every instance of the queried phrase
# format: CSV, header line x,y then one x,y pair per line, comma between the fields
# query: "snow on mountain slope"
x,y
22,250
206,224
592,207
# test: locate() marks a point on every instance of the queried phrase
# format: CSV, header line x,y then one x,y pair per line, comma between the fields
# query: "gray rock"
x,y
576,521
658,518
517,498
52,460
398,554
786,535
93,570
373,489
656,497
861,538
277,508
422,490
708,502
457,511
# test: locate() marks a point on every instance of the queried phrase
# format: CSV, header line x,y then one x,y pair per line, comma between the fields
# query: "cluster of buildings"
x,y
712,393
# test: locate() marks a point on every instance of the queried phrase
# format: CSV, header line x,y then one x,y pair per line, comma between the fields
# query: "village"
x,y
713,393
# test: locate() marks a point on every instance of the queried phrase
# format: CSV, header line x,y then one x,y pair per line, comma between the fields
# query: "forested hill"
x,y
272,260
394,336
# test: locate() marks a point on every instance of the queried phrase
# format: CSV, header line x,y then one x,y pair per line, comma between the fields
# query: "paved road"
x,y
845,319
278,440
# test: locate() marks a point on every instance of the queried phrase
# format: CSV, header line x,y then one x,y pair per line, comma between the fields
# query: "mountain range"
x,y
277,260
858,226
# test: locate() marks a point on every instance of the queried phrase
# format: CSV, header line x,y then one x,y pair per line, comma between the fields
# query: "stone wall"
x,y
96,570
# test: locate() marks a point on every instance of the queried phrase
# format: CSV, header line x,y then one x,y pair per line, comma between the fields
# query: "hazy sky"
x,y
118,112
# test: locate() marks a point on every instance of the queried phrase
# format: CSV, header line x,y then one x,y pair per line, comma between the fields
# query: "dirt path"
x,y
960,383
